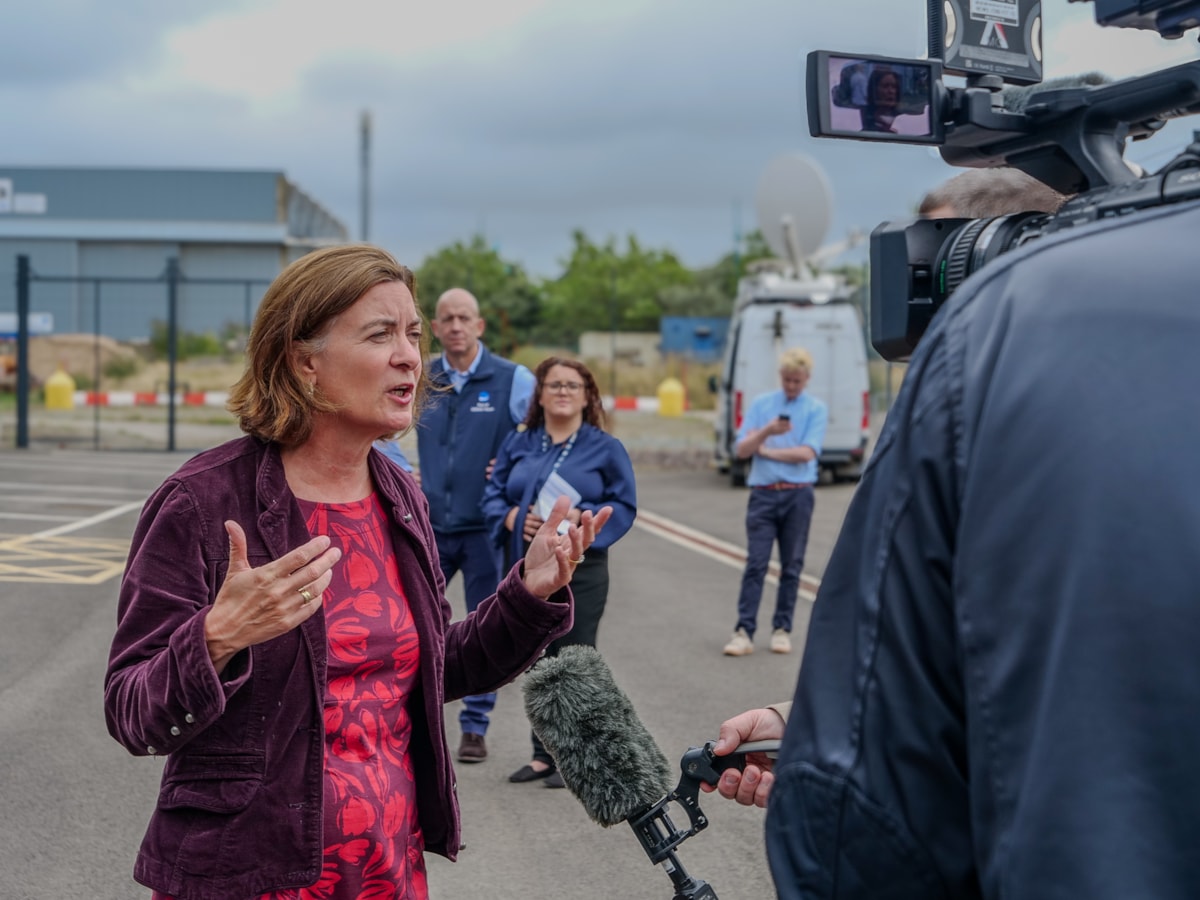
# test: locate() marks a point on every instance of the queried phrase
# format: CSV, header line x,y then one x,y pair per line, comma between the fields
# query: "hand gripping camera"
x,y
1071,138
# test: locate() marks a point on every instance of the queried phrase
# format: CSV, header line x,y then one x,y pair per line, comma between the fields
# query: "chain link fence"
x,y
122,362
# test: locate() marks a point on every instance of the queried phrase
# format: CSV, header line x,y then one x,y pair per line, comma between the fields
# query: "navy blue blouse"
x,y
596,464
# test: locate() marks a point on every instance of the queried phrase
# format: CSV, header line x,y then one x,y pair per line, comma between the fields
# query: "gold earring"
x,y
312,390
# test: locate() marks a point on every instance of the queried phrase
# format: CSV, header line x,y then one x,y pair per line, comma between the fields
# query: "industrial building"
x,y
99,241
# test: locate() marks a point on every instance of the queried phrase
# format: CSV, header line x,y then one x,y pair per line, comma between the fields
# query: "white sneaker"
x,y
780,642
740,644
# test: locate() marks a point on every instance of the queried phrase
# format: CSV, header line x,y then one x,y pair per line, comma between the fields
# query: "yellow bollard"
x,y
670,397
60,390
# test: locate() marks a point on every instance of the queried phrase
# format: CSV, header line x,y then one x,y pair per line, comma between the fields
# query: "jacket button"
x,y
175,730
408,517
150,749
189,718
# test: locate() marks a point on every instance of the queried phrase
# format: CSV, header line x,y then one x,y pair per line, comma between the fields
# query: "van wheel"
x,y
847,476
737,474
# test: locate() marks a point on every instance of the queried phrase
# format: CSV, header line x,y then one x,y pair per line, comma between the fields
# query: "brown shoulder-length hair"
x,y
271,400
593,410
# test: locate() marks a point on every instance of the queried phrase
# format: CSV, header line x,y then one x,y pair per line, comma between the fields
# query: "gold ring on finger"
x,y
576,562
307,595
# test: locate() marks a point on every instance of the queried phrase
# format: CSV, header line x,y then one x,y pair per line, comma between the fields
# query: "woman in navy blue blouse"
x,y
562,440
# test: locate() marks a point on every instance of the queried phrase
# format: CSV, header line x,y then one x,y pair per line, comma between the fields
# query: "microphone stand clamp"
x,y
659,836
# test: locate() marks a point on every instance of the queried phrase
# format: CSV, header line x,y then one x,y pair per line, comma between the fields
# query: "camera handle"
x,y
1070,138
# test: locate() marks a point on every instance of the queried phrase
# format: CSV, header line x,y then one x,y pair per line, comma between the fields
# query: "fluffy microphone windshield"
x,y
1017,97
606,756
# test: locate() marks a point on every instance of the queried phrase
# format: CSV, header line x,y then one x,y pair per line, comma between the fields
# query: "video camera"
x,y
1071,138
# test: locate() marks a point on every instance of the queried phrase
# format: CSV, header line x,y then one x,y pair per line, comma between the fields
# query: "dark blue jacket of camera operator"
x,y
1000,688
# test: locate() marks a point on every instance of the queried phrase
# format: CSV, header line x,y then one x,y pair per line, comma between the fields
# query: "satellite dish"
x,y
793,202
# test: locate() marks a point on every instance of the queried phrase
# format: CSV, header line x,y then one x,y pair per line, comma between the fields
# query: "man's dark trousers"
x,y
473,554
774,515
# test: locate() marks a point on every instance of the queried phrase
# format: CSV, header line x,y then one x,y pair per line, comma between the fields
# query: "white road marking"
x,y
83,523
712,547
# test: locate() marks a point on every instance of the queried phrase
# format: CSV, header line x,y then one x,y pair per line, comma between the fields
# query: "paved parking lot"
x,y
78,803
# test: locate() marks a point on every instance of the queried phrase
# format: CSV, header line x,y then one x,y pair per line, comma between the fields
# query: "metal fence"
x,y
169,308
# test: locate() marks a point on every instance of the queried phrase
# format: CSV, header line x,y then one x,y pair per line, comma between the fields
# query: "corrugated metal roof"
x,y
232,198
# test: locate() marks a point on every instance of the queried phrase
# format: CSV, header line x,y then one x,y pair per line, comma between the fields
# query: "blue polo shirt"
x,y
809,418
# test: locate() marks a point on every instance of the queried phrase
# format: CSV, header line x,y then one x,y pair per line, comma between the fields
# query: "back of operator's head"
x,y
983,193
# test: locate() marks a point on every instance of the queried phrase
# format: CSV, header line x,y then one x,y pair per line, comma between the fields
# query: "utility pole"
x,y
364,200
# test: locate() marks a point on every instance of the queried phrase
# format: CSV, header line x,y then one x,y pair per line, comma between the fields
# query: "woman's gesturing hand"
x,y
552,557
255,605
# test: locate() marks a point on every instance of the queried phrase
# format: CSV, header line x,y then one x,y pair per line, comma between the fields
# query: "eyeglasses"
x,y
563,387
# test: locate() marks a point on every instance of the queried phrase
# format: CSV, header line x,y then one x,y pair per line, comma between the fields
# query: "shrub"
x,y
121,367
187,344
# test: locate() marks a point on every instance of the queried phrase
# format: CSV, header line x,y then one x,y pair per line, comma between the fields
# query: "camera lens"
x,y
977,243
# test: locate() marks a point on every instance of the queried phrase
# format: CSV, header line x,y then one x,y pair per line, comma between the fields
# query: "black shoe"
x,y
473,748
555,780
529,773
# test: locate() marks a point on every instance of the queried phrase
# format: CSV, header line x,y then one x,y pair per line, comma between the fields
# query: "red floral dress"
x,y
374,849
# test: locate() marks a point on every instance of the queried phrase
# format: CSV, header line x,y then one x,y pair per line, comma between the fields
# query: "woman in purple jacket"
x,y
283,638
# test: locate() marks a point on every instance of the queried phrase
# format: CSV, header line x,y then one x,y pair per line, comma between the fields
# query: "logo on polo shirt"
x,y
483,403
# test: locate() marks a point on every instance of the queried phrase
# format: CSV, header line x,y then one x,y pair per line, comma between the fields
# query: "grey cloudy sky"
x,y
520,119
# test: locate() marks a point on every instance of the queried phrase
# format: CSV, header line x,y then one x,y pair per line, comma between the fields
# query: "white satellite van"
x,y
774,311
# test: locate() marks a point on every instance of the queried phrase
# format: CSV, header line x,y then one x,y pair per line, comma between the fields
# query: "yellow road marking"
x,y
50,559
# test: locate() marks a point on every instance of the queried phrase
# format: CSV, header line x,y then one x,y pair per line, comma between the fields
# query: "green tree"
x,y
188,344
724,274
603,288
707,296
508,300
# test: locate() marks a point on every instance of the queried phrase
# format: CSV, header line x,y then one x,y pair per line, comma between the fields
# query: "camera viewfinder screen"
x,y
879,98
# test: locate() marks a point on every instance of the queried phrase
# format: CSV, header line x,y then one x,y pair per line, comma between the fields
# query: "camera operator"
x,y
997,693
997,690
981,193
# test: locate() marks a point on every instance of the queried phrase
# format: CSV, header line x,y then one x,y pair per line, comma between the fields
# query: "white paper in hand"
x,y
556,486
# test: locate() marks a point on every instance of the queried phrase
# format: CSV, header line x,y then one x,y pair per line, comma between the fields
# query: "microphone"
x,y
610,762
1017,97
605,755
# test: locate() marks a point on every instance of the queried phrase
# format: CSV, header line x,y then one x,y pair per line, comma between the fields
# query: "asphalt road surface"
x,y
77,803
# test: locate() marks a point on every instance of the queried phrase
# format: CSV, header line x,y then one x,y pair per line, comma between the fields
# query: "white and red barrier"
x,y
149,398
219,398
637,404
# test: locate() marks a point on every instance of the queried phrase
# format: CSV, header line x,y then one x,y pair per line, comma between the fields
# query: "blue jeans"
x,y
473,554
771,516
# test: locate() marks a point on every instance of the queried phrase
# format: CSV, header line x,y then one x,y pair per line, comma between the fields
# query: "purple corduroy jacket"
x,y
240,808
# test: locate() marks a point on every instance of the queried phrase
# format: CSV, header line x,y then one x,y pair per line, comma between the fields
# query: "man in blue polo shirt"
x,y
781,434
479,398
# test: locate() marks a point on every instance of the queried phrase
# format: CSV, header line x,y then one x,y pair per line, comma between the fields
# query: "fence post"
x,y
96,385
22,352
172,344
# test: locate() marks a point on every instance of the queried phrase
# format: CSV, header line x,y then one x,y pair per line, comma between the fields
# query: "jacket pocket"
x,y
826,839
213,782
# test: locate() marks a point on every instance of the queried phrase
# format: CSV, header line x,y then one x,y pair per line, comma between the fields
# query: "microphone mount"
x,y
659,836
